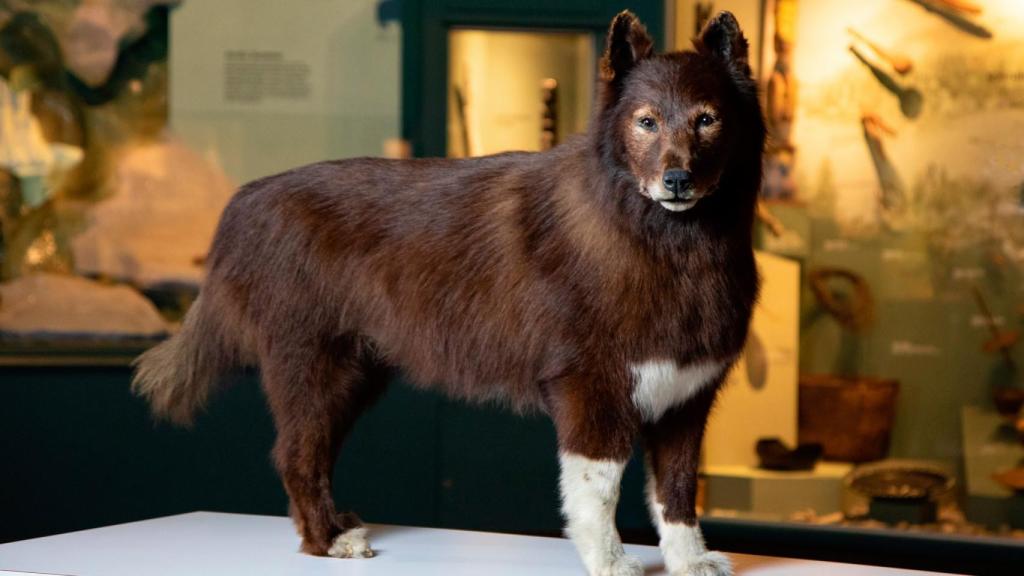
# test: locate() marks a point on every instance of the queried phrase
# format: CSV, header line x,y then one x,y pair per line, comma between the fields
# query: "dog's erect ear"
x,y
723,39
628,43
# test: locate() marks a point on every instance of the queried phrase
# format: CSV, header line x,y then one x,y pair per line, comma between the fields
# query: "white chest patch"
x,y
663,384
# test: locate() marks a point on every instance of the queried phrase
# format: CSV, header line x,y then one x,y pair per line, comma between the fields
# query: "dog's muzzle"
x,y
681,193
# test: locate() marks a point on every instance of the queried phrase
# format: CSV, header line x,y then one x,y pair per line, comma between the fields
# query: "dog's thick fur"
x,y
574,281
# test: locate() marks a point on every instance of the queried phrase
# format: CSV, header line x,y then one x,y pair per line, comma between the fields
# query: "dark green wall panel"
x,y
79,451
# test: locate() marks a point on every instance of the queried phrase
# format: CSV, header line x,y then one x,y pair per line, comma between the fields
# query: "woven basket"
x,y
851,418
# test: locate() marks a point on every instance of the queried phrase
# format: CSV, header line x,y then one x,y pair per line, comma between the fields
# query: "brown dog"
x,y
608,282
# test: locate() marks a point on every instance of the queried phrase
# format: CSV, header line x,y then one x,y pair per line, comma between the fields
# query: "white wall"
x,y
353,72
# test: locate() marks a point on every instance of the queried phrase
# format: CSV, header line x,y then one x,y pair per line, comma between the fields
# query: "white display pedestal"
x,y
770,493
214,544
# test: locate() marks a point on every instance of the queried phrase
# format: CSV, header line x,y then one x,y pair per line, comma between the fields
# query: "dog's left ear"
x,y
723,39
628,43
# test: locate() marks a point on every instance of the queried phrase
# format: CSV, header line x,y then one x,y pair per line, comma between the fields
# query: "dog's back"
x,y
438,264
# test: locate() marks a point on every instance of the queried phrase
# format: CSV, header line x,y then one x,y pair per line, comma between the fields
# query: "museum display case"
x,y
892,177
498,79
878,398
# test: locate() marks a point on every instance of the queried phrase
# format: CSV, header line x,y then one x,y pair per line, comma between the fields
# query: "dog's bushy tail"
x,y
176,376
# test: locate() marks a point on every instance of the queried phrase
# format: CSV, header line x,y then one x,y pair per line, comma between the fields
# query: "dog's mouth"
x,y
673,201
679,204
680,201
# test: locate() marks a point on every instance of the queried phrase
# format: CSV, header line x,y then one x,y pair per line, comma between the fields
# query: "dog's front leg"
x,y
590,494
595,438
673,456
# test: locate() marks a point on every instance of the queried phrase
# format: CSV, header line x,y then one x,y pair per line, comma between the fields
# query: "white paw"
x,y
708,564
623,566
351,544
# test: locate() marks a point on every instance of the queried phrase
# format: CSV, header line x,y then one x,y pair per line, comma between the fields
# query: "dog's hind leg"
x,y
316,391
595,438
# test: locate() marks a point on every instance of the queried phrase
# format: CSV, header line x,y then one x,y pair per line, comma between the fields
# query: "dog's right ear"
x,y
628,43
723,39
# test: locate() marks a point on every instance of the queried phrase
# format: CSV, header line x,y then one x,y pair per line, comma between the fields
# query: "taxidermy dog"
x,y
608,282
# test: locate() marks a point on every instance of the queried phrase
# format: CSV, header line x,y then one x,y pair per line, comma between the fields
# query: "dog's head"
x,y
673,121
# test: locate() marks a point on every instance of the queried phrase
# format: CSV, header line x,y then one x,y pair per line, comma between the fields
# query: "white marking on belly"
x,y
661,384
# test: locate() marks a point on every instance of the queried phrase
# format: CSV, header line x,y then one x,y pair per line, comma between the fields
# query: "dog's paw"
x,y
623,566
708,564
351,544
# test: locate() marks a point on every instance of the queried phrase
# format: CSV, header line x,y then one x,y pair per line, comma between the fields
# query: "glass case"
x,y
893,178
123,137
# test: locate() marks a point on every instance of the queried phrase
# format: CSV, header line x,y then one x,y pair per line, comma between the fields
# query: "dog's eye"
x,y
648,123
705,120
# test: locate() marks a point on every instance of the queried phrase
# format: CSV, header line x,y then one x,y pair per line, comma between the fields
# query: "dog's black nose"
x,y
676,180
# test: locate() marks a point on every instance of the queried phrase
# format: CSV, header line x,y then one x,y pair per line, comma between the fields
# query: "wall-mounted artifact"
x,y
910,98
459,94
756,356
962,6
1008,398
549,113
893,60
1000,341
780,108
845,295
900,63
958,13
770,221
892,192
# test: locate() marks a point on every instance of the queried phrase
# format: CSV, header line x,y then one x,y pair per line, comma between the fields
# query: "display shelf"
x,y
778,493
